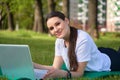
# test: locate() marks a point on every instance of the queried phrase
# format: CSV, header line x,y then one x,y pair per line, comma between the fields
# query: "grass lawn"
x,y
42,45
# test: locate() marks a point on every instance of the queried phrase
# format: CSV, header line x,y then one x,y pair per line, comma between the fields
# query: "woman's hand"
x,y
55,73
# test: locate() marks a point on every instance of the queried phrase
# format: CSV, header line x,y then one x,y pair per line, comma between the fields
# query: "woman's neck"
x,y
66,44
67,36
66,40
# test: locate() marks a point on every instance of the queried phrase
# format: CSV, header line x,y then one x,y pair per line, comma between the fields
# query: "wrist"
x,y
69,75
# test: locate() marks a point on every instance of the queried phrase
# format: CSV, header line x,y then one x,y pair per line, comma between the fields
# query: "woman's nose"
x,y
55,28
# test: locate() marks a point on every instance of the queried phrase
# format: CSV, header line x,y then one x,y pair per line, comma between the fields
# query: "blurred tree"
x,y
58,6
66,7
92,18
2,16
11,25
6,9
38,17
51,5
23,13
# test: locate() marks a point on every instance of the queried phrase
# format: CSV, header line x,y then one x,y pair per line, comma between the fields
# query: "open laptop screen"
x,y
16,62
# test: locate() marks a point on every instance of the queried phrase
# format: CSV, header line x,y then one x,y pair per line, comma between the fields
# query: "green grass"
x,y
111,40
42,45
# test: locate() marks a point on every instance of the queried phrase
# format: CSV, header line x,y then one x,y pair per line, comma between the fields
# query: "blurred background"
x,y
93,16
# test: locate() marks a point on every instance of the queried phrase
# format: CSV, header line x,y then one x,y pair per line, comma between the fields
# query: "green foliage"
x,y
45,6
58,7
23,11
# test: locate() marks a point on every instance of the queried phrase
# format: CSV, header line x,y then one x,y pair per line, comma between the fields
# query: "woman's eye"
x,y
57,23
51,28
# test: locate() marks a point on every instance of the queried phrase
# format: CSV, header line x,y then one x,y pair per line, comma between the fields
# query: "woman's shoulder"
x,y
82,31
82,34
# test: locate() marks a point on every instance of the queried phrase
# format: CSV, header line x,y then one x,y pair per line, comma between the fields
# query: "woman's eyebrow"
x,y
56,23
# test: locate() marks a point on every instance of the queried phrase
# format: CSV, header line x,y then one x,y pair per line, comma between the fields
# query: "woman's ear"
x,y
67,21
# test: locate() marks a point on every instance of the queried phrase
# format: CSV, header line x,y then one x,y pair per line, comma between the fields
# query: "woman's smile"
x,y
58,33
58,27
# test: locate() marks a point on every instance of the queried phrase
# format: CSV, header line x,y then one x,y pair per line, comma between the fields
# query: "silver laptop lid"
x,y
16,62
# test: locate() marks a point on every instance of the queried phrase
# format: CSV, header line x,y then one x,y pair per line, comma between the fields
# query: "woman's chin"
x,y
60,37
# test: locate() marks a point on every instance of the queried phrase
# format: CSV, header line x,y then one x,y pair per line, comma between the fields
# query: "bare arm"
x,y
80,70
39,66
58,61
57,73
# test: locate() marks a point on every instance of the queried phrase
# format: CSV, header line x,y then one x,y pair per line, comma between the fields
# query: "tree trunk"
x,y
38,17
11,25
66,8
92,18
1,20
51,5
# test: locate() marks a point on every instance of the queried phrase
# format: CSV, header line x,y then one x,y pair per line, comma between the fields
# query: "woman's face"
x,y
58,27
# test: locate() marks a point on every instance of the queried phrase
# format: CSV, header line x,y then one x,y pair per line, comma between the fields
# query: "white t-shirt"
x,y
86,50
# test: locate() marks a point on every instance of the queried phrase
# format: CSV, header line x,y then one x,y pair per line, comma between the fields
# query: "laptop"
x,y
16,62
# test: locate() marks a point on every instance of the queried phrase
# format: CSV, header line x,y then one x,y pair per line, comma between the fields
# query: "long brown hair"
x,y
72,40
71,49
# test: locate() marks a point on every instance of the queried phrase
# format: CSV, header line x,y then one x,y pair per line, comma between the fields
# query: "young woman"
x,y
73,47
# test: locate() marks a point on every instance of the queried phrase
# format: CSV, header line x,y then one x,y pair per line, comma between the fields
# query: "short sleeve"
x,y
57,47
83,49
